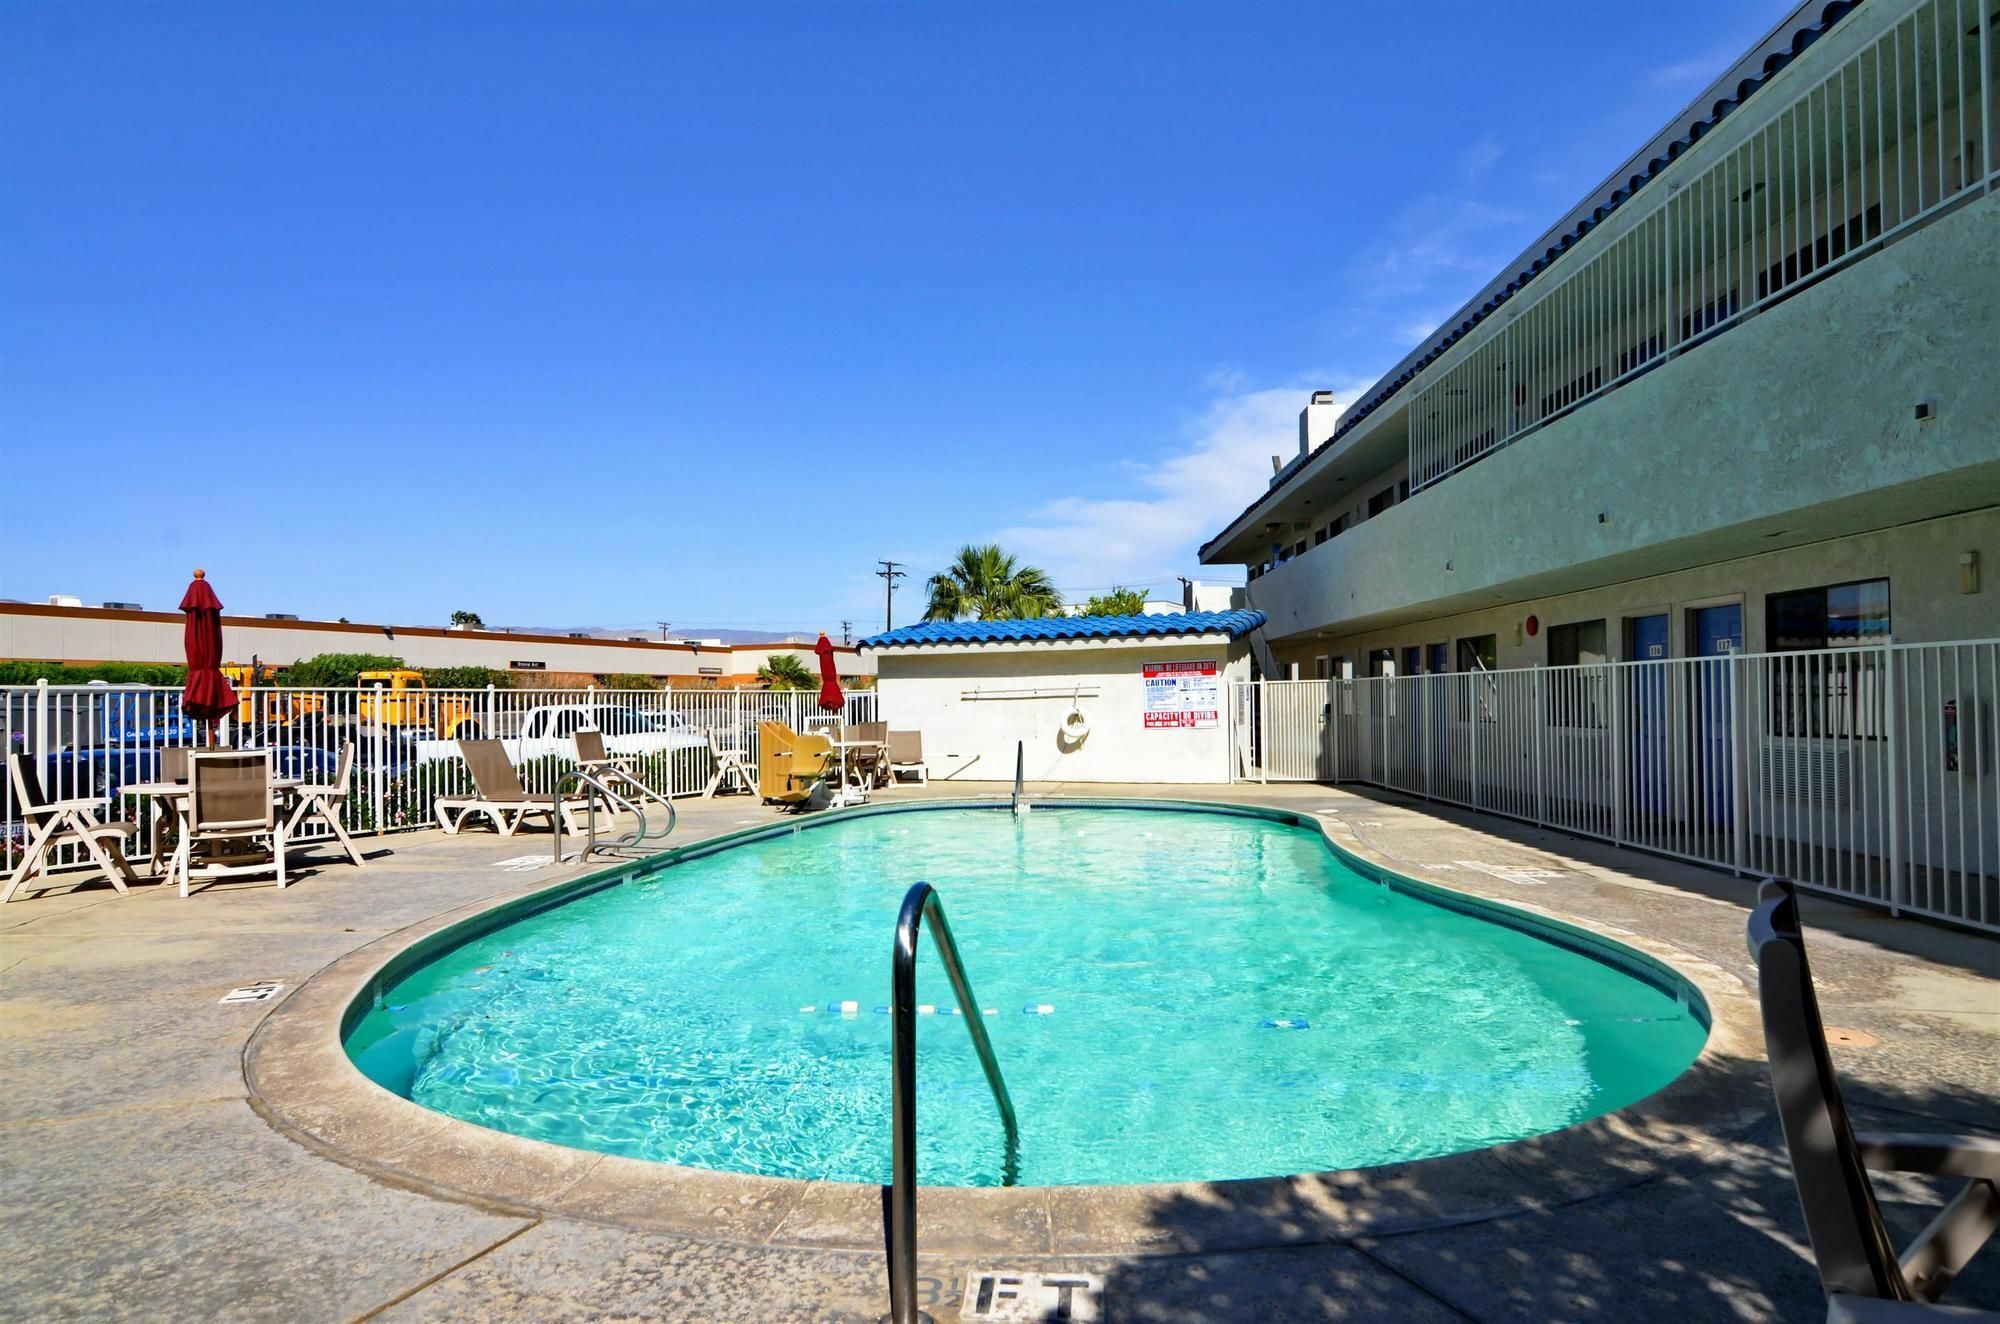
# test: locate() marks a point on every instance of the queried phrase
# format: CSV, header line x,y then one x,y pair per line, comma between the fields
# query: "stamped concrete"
x,y
140,1179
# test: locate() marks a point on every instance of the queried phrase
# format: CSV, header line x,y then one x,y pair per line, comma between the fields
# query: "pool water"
x,y
1174,995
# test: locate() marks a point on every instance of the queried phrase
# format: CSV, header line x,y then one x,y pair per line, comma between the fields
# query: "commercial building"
x,y
36,632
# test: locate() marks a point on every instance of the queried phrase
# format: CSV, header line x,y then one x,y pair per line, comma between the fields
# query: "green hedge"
x,y
117,673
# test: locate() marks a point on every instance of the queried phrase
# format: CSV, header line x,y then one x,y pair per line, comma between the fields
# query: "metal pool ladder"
x,y
919,903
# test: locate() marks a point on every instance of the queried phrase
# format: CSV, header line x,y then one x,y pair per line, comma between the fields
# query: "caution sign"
x,y
1183,694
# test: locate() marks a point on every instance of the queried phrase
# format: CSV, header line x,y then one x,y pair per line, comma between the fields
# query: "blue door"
x,y
1650,740
1717,632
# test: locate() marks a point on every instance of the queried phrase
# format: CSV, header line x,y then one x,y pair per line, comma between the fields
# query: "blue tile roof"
x,y
1235,624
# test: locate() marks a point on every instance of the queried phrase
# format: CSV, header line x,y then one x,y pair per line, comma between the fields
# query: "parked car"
x,y
551,729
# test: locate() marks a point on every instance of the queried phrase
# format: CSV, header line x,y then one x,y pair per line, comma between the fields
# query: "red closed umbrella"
x,y
208,696
829,679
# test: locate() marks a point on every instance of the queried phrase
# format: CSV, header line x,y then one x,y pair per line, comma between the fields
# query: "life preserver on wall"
x,y
1075,728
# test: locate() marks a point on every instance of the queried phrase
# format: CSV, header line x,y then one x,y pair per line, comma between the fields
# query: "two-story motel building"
x,y
1745,396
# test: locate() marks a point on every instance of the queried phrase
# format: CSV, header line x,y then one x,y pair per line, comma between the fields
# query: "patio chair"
x,y
231,827
732,768
499,795
906,755
53,824
790,766
1864,1278
324,801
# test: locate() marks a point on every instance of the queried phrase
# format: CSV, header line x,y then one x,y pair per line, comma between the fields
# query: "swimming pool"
x,y
1173,995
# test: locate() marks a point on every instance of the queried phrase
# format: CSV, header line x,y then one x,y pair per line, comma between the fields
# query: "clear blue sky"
x,y
602,313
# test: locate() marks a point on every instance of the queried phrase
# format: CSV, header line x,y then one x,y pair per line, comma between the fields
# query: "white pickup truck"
x,y
551,729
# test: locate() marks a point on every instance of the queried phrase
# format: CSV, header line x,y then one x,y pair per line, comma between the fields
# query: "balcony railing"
x,y
1792,189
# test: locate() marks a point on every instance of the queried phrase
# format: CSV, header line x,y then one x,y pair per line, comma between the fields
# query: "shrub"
x,y
117,673
466,678
337,670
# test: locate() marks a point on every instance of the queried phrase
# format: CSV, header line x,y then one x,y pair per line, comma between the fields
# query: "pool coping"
x,y
302,1082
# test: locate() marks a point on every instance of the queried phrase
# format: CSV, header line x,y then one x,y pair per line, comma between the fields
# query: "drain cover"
x,y
1032,1298
263,992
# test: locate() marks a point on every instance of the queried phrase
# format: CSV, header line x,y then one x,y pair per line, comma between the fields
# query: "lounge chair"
x,y
231,827
1864,1278
790,766
53,824
613,771
906,754
499,795
732,768
324,801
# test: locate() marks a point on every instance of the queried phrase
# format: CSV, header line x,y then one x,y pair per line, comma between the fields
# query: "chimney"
x,y
1316,422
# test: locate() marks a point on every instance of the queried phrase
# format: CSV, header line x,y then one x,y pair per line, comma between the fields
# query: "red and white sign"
x,y
1182,694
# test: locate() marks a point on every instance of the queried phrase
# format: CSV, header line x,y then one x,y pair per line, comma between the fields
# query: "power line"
x,y
889,574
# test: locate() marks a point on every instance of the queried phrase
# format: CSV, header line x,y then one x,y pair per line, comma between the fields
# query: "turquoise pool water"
x,y
1174,996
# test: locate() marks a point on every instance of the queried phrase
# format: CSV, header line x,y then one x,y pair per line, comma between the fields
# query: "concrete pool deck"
x,y
143,1180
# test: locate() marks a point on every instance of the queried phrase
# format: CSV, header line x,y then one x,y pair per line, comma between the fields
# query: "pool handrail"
x,y
919,903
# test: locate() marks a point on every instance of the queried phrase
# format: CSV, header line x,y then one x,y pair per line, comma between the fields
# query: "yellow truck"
x,y
405,704
276,709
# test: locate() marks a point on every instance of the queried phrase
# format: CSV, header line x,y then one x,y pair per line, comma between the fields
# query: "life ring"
x,y
1075,728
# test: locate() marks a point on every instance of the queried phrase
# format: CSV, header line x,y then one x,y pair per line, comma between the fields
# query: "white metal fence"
x,y
95,740
1779,194
1871,772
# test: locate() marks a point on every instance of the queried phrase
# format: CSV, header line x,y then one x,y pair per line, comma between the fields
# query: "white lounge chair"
x,y
499,795
53,824
1866,1281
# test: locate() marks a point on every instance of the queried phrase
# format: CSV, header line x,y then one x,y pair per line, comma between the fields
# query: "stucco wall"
x,y
973,738
1796,426
1920,561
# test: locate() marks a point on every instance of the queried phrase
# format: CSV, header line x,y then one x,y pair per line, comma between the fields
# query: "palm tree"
x,y
784,671
1120,601
989,585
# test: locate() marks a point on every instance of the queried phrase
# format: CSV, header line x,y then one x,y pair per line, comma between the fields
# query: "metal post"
x,y
1621,772
376,772
1540,718
42,739
1739,774
1892,705
1262,698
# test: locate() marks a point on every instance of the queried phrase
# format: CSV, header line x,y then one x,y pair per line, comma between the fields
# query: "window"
x,y
1840,695
1299,547
1381,661
1322,667
1319,536
1381,501
1576,698
1339,526
1403,490
1837,616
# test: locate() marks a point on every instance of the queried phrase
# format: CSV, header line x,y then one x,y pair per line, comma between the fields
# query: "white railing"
x,y
1787,189
1873,773
95,740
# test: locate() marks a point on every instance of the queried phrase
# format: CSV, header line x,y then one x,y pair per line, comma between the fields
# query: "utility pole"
x,y
889,574
663,630
847,634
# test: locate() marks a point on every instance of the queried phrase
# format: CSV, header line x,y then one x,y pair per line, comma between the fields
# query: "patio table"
x,y
167,807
